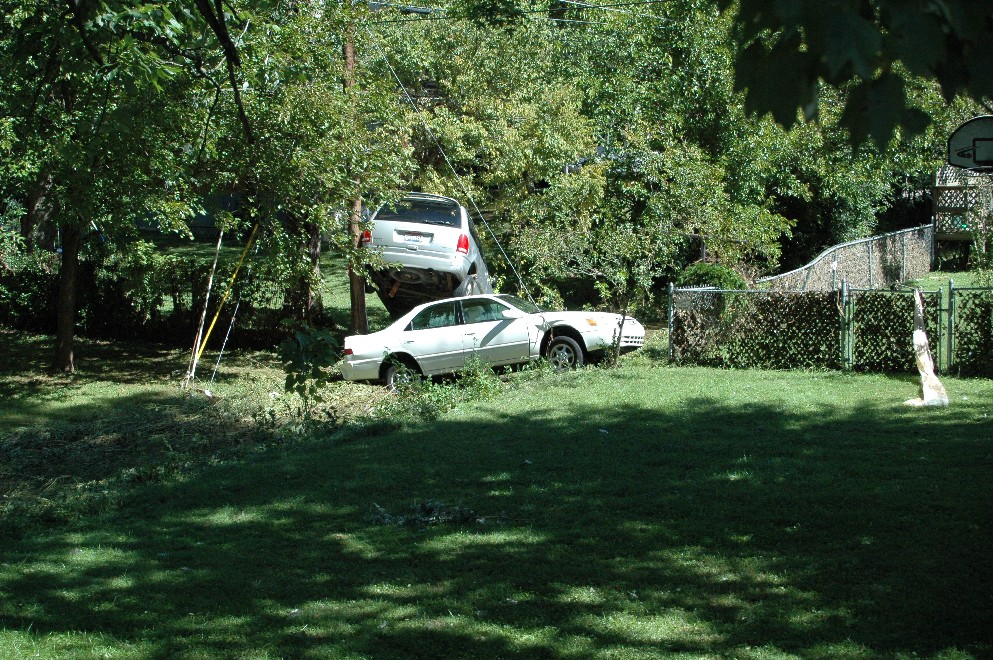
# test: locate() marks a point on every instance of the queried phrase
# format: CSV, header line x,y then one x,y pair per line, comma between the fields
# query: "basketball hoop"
x,y
971,145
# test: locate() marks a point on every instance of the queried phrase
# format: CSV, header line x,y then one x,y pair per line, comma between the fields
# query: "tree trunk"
x,y
356,282
302,299
66,305
314,253
37,216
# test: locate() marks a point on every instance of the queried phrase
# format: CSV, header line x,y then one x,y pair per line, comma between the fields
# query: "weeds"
x,y
64,472
424,399
431,512
309,358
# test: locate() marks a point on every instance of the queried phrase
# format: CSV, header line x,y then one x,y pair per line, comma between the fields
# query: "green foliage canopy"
x,y
785,50
602,145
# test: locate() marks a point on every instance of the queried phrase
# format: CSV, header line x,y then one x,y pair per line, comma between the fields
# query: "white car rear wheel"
x,y
398,375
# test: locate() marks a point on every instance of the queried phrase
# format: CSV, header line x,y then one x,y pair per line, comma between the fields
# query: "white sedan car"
x,y
438,338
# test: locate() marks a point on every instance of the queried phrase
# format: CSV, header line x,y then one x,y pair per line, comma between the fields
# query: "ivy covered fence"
x,y
858,329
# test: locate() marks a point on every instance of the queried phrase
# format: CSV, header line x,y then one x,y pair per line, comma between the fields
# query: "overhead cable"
x,y
530,16
465,189
631,4
425,13
609,8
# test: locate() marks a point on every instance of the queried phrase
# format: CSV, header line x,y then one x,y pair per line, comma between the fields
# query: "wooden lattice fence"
x,y
956,191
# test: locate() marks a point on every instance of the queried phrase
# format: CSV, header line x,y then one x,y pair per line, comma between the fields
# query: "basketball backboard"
x,y
971,145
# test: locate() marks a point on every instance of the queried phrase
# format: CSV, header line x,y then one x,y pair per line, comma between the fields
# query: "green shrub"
x,y
704,274
308,359
28,287
111,302
139,292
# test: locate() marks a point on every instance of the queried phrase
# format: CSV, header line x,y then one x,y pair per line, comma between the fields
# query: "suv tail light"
x,y
366,238
463,245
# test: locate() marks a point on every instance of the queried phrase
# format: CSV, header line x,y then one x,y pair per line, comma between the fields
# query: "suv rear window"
x,y
423,211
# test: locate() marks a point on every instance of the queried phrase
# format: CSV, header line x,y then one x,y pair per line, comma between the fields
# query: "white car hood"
x,y
583,320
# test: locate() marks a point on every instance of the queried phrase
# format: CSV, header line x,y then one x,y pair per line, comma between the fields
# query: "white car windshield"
x,y
519,303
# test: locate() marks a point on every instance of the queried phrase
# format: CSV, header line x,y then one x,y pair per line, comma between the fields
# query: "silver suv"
x,y
433,240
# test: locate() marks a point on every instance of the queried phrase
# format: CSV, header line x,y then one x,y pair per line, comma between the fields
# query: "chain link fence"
x,y
878,329
762,329
849,328
970,338
870,263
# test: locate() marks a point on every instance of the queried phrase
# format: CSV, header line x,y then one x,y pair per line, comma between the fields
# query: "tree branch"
x,y
79,22
206,126
242,115
214,15
217,24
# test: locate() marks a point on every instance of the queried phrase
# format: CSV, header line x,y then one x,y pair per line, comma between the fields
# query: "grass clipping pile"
x,y
932,392
432,512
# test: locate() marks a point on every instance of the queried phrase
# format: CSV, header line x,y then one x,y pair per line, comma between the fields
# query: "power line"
x,y
465,189
630,4
414,20
404,9
459,18
425,13
610,8
566,20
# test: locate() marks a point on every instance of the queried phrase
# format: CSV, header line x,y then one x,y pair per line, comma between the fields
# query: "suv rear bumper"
x,y
412,260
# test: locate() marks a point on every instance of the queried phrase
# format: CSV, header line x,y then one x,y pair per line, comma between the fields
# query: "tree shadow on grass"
x,y
713,529
26,363
115,379
96,451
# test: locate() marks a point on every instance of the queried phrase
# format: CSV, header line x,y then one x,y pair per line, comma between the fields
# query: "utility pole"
x,y
356,282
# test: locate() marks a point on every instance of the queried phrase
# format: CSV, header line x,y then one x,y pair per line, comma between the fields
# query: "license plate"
x,y
415,239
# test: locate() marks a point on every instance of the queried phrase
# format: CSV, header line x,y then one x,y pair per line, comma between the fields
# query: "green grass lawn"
x,y
939,280
334,276
631,513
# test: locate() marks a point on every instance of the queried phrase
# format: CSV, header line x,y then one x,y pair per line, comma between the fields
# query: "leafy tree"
x,y
484,106
317,145
672,166
78,89
491,122
113,113
603,144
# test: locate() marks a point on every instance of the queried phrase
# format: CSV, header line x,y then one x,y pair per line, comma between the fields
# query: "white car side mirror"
x,y
511,314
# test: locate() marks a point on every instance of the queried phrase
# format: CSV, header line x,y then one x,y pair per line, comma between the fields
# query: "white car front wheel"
x,y
564,353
